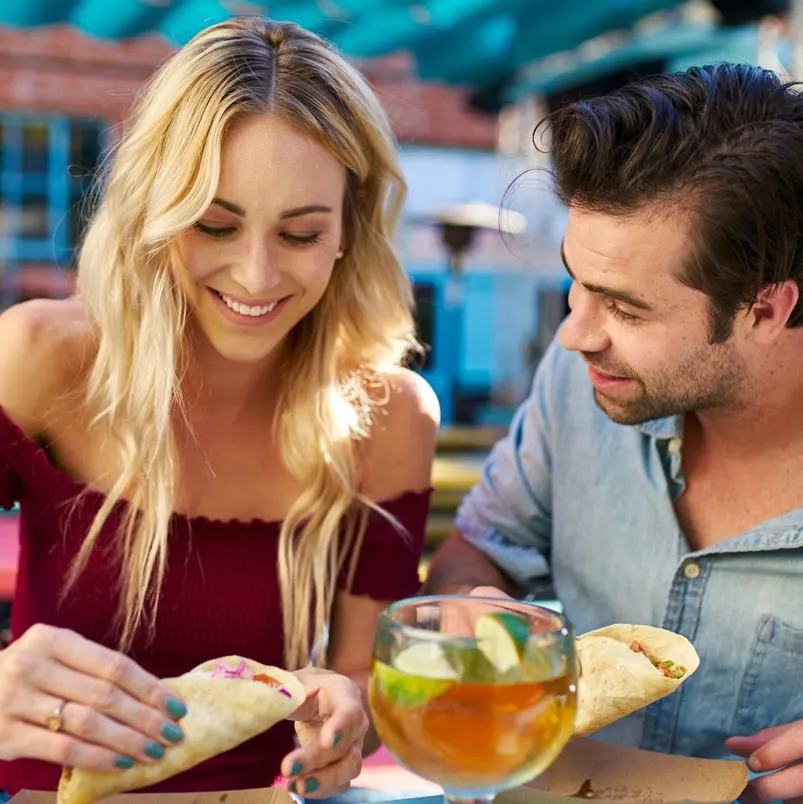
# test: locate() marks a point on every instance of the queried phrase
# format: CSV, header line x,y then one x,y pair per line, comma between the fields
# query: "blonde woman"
x,y
214,447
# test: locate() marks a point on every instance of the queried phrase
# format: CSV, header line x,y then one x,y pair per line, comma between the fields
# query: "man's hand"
x,y
458,617
773,750
489,591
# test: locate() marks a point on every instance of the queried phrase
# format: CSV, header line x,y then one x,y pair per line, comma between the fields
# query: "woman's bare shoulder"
x,y
401,447
47,348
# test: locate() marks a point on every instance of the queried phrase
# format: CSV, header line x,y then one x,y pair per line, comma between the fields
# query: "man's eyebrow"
x,y
611,293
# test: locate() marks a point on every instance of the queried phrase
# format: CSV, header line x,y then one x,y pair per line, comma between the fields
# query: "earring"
x,y
338,255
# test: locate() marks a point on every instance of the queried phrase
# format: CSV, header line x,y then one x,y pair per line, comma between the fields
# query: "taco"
x,y
624,668
229,701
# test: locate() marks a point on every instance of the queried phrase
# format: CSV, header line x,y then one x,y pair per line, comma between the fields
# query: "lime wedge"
x,y
502,638
426,660
421,674
406,690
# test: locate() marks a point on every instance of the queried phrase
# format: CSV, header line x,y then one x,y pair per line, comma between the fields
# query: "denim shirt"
x,y
570,493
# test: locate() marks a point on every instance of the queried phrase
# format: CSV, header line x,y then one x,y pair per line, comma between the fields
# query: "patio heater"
x,y
458,226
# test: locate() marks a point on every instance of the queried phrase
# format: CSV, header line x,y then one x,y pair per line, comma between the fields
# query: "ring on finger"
x,y
55,721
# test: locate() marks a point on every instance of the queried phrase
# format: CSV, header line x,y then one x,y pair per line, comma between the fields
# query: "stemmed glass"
x,y
476,694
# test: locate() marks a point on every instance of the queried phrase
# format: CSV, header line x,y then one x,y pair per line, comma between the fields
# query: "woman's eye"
x,y
213,231
301,240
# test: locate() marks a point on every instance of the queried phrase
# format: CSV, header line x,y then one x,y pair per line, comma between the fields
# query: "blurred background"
x,y
464,81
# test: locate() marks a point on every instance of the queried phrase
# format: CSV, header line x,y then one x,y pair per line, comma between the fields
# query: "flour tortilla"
x,y
221,714
616,681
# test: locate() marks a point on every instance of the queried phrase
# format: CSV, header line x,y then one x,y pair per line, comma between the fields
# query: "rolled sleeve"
x,y
508,514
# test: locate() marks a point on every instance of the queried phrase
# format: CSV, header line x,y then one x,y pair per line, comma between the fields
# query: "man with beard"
x,y
655,473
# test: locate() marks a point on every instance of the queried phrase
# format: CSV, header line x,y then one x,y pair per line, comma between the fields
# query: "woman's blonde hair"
x,y
161,179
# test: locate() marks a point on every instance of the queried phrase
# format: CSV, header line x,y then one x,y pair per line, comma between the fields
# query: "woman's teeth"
x,y
244,309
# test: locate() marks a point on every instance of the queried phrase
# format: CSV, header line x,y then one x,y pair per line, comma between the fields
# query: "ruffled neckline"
x,y
30,460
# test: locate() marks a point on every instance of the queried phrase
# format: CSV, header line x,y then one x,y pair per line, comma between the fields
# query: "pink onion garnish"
x,y
224,670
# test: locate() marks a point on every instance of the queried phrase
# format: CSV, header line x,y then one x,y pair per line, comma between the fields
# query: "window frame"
x,y
59,185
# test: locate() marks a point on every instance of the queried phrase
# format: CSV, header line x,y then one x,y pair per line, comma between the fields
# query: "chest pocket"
x,y
771,692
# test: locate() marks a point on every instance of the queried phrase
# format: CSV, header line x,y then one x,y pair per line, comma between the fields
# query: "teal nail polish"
x,y
124,763
175,708
170,731
292,787
296,769
154,750
311,785
336,741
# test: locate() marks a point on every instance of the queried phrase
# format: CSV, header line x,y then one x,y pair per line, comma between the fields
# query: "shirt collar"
x,y
662,429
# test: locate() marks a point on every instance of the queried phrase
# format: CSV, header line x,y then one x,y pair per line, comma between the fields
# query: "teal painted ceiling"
x,y
524,45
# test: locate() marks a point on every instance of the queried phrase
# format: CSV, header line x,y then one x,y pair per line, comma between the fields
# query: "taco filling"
x,y
244,672
668,668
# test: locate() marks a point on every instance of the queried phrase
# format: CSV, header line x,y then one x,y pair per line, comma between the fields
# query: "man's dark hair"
x,y
724,145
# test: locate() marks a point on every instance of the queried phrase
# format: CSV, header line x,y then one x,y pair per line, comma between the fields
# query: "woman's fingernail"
x,y
124,763
755,765
337,739
311,785
154,750
172,732
292,787
296,769
175,708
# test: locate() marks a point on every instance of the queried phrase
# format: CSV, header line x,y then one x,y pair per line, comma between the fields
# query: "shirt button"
x,y
675,445
691,570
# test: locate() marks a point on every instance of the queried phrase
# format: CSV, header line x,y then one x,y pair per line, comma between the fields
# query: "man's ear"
x,y
772,309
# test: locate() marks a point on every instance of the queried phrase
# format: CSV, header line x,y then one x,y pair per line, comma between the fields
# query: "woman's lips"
x,y
243,317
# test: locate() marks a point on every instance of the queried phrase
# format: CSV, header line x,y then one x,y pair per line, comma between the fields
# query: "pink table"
x,y
381,771
9,552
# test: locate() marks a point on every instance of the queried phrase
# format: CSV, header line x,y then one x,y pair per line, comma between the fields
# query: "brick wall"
x,y
428,113
58,70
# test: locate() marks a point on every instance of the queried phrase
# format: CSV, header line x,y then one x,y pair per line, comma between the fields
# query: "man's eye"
x,y
619,313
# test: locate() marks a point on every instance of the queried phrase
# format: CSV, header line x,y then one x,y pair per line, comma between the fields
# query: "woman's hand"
x,y
331,726
66,700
